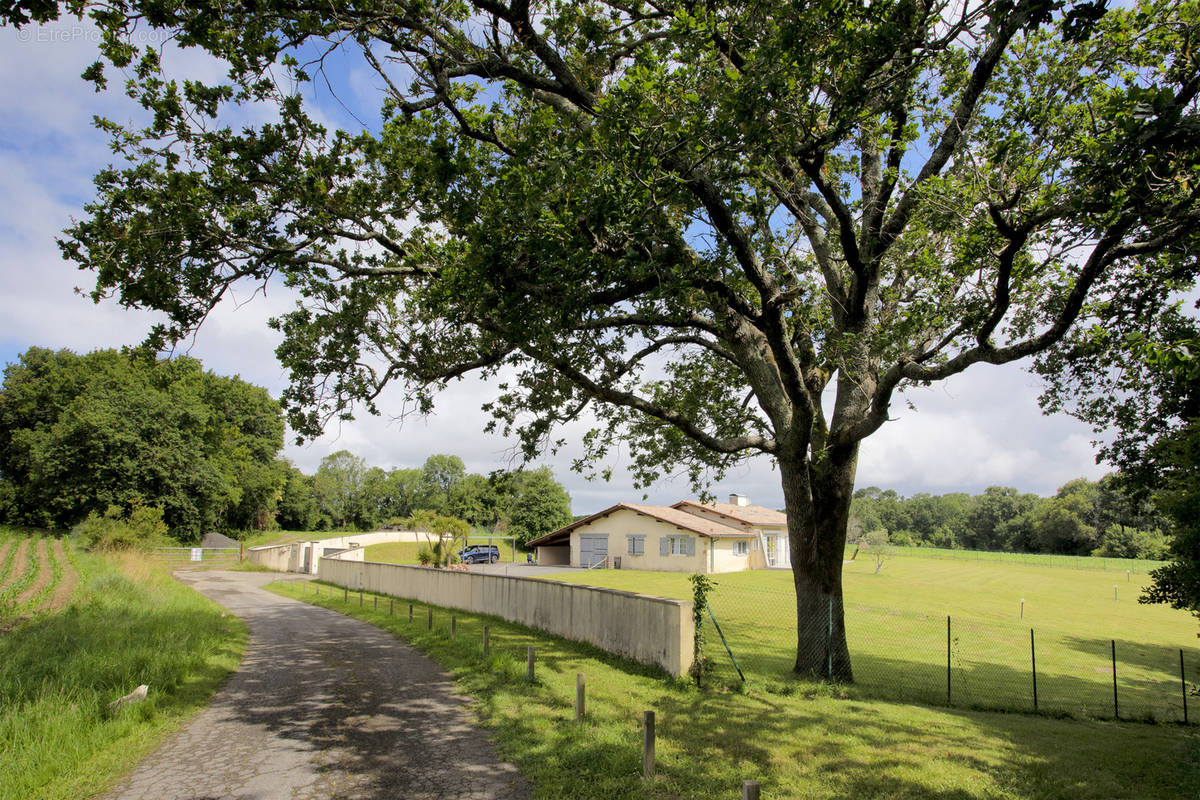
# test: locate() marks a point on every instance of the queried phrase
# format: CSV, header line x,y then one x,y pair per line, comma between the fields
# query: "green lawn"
x,y
896,624
811,741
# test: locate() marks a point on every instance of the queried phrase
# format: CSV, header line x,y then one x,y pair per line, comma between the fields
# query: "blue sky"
x,y
978,429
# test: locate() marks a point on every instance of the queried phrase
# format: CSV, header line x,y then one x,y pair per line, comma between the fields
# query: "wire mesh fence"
x,y
959,661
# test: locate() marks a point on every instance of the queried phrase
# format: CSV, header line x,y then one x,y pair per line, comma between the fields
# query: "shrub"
x,y
141,528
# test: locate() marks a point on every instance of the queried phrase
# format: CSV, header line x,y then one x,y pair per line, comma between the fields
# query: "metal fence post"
x,y
1183,680
1033,662
375,600
749,790
430,618
828,643
345,594
947,659
453,625
410,605
1116,705
485,640
648,744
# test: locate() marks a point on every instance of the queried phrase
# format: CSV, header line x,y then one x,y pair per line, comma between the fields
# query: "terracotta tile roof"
x,y
691,522
667,514
750,515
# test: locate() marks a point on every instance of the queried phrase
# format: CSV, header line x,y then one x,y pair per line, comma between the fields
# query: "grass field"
x,y
88,630
1135,565
814,742
896,626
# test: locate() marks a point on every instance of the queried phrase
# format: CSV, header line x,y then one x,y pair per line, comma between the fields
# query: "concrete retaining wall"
x,y
651,630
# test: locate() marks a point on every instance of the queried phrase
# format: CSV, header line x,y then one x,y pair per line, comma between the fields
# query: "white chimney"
x,y
738,500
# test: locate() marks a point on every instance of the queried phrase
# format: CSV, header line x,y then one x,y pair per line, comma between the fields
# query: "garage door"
x,y
593,548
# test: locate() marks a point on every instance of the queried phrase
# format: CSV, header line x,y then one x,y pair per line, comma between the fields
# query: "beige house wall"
x,y
711,555
650,630
758,557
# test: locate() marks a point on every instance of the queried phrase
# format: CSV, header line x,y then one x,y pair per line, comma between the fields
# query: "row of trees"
x,y
111,432
345,492
79,434
1083,518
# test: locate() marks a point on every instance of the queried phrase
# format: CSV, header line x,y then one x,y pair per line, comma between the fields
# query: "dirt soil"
x,y
20,563
44,575
66,585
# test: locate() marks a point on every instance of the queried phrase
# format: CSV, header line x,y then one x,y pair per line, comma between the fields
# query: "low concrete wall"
x,y
294,556
281,557
651,630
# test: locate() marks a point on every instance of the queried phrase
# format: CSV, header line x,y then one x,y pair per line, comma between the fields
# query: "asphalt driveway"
x,y
323,706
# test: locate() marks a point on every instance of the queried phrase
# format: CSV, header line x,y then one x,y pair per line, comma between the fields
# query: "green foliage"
x,y
142,527
539,505
298,509
1084,517
879,547
81,433
702,585
447,535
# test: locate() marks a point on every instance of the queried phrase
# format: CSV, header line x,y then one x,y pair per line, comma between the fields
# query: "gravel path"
x,y
323,706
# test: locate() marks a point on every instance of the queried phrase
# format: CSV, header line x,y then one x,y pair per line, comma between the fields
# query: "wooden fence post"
x,y
749,790
648,745
529,664
579,696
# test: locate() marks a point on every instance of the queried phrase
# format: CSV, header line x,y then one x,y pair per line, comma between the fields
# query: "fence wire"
x,y
994,664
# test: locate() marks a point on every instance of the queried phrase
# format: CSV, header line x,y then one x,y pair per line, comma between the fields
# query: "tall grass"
x,y
128,624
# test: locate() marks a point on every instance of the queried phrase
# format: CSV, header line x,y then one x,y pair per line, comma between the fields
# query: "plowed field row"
x,y
36,576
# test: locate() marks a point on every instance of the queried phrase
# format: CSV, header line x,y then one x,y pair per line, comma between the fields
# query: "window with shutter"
x,y
664,545
636,545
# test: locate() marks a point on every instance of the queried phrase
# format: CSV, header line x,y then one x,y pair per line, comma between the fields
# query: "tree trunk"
x,y
818,510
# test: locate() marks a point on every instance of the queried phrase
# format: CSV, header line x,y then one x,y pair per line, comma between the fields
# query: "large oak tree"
x,y
723,229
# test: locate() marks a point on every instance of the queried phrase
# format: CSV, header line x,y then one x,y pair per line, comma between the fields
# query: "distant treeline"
x,y
1083,518
346,493
111,433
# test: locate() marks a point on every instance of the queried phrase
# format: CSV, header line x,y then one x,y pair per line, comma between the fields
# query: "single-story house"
x,y
685,537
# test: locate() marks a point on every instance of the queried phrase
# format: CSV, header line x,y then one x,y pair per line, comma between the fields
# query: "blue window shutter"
x,y
663,544
689,545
